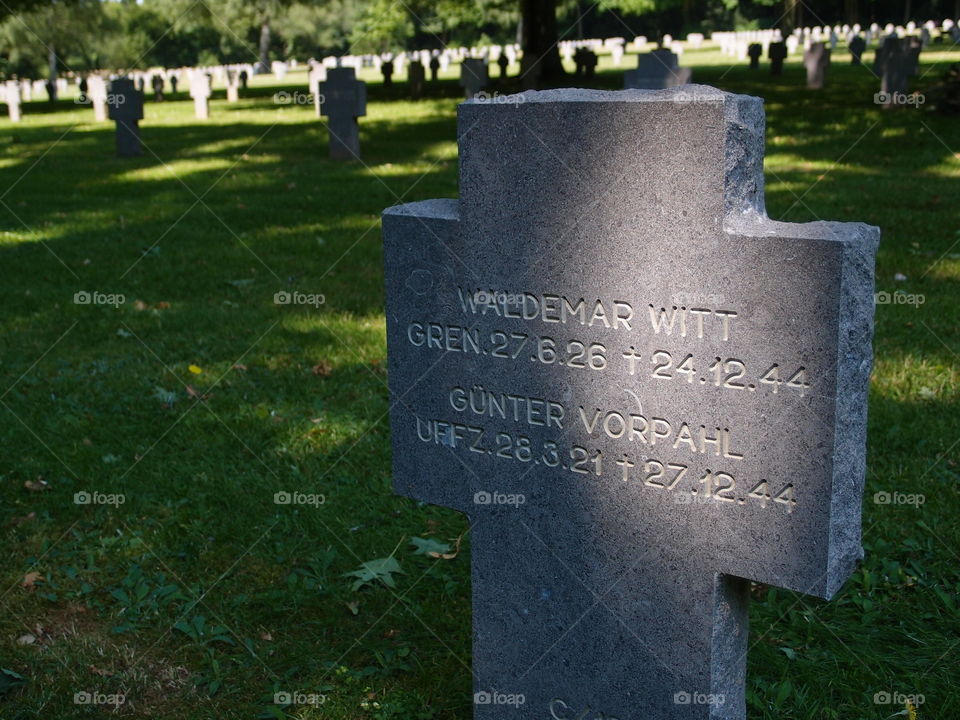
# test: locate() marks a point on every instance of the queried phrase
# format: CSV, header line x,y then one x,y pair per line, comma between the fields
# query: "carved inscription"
x,y
692,459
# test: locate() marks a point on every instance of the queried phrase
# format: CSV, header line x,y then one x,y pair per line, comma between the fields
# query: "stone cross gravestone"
x,y
200,92
232,82
657,70
416,75
473,76
125,107
316,75
892,64
11,96
754,51
343,100
642,391
97,92
777,52
856,46
816,59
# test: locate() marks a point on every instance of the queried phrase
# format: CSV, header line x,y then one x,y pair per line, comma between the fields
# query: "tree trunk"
x,y
791,16
852,12
52,75
539,37
265,45
906,12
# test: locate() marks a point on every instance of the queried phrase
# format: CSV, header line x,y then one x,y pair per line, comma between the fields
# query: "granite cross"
x,y
644,393
125,107
343,99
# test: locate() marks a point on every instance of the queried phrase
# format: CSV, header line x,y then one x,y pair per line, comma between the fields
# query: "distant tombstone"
x,y
777,52
125,107
141,84
11,96
616,54
473,76
642,407
503,62
415,79
912,48
857,46
244,76
434,67
657,70
200,92
232,82
754,52
816,59
892,64
586,62
97,92
156,81
174,81
344,100
386,69
316,75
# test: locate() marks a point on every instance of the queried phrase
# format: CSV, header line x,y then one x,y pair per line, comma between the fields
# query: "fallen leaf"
x,y
195,369
266,636
192,392
322,369
38,485
26,639
163,305
23,518
140,305
30,579
391,633
100,671
239,366
88,442
353,607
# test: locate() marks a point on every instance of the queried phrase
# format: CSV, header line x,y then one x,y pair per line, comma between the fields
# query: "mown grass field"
x,y
198,398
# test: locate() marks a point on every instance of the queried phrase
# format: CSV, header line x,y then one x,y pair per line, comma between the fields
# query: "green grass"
x,y
199,597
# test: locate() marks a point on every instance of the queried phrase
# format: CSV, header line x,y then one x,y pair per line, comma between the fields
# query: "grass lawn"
x,y
198,398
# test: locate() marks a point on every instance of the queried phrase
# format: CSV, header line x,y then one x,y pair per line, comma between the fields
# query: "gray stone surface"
x,y
817,60
627,464
892,63
343,100
416,75
125,108
657,70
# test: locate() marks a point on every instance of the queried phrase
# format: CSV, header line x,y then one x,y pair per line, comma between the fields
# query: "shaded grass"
x,y
200,597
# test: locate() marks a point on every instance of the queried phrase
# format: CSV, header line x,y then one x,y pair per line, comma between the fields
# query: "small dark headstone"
x,y
243,79
777,52
344,100
125,107
387,69
157,82
856,46
415,77
434,68
817,60
503,62
892,64
174,80
754,52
